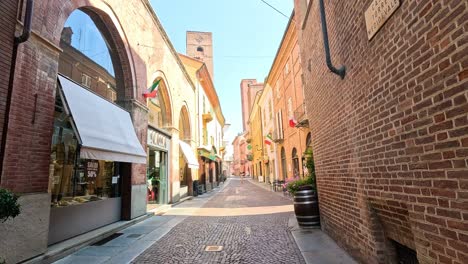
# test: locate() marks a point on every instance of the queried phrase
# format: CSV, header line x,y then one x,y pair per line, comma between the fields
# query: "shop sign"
x,y
378,13
92,167
157,139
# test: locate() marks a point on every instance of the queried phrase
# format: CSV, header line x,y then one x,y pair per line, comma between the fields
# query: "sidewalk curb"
x,y
61,250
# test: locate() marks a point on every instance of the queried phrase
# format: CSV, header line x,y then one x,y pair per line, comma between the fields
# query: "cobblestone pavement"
x,y
249,222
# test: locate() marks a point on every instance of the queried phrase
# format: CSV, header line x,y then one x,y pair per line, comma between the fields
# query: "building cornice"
x,y
284,46
167,41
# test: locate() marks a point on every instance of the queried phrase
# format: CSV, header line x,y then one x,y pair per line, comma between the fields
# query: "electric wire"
x,y
274,8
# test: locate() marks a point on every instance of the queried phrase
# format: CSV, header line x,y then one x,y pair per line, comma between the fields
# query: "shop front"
x,y
187,163
208,164
157,168
91,156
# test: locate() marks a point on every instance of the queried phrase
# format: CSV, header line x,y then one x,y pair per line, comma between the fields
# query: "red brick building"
x,y
390,140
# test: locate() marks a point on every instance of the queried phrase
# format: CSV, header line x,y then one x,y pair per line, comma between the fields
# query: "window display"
x,y
74,180
156,177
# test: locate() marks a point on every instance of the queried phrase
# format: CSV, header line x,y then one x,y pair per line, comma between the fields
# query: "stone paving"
x,y
250,223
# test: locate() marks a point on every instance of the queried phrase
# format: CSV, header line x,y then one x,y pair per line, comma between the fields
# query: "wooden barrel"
x,y
306,208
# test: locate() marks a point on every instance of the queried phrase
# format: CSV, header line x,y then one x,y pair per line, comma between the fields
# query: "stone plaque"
x,y
378,12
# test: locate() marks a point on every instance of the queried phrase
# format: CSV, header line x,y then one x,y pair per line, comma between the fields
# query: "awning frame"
x,y
134,150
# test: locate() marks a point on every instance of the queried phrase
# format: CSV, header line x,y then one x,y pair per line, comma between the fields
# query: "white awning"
x,y
189,155
105,130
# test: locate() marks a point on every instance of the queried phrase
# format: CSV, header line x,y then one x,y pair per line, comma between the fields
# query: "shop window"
x,y
74,180
156,175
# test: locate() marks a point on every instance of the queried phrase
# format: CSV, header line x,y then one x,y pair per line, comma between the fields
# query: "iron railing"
x,y
300,115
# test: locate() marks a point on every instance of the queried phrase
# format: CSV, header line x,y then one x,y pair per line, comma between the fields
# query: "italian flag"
x,y
292,121
268,139
152,92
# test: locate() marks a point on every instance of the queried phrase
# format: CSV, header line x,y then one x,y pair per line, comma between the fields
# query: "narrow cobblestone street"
x,y
251,224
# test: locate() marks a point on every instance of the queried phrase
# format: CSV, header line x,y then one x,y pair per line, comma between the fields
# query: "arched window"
x,y
87,57
295,162
200,49
309,140
283,164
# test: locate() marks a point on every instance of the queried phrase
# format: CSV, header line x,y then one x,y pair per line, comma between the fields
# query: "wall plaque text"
x,y
378,12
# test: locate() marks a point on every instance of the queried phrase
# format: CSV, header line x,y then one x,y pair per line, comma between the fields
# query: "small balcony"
x,y
207,117
278,136
300,115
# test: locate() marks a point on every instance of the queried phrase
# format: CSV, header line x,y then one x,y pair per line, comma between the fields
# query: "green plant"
x,y
310,164
9,207
293,186
2,261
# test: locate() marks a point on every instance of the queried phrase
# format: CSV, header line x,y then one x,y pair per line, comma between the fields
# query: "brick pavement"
x,y
258,233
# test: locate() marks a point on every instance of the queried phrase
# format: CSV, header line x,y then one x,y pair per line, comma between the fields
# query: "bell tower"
x,y
199,45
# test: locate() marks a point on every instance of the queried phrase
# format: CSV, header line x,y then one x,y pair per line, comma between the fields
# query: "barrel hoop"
x,y
304,191
308,223
306,196
308,202
308,216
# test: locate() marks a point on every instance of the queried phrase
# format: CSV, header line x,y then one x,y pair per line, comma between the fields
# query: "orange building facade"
x,y
291,133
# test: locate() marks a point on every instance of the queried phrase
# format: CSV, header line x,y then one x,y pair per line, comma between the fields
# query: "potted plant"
x,y
9,207
305,196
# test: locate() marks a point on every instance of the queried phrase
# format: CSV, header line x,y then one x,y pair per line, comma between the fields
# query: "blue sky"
x,y
246,36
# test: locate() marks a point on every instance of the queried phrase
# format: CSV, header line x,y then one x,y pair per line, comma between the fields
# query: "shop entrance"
x,y
94,141
157,178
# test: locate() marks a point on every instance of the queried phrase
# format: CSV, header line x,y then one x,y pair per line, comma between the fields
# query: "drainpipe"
x,y
17,41
342,70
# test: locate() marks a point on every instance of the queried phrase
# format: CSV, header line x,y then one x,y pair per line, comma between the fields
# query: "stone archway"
x,y
87,185
160,107
108,24
284,171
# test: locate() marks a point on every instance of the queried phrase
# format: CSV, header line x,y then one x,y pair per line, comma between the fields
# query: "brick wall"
x,y
8,9
391,139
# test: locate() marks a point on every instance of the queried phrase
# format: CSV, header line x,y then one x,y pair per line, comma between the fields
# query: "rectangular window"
x,y
290,107
279,123
270,109
278,94
205,135
86,80
204,107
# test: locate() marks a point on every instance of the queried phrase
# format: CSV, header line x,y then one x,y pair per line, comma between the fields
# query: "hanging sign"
x,y
378,13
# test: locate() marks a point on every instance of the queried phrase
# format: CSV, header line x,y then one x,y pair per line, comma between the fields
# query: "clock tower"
x,y
199,45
